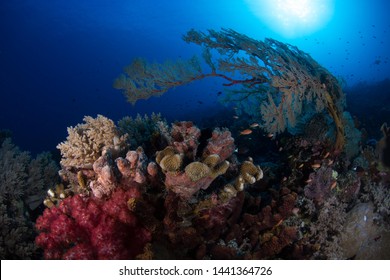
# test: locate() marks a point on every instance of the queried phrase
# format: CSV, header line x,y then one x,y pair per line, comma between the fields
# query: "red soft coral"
x,y
88,228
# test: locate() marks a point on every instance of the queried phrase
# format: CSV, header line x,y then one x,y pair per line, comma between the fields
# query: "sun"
x,y
293,18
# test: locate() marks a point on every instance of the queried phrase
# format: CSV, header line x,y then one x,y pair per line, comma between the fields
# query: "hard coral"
x,y
221,143
88,228
196,174
185,138
124,172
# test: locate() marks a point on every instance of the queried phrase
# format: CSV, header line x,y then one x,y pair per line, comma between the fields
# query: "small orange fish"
x,y
308,181
326,155
278,224
253,125
246,132
316,165
334,184
300,166
270,135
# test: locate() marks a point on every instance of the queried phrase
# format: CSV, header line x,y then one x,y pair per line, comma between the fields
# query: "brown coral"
x,y
171,163
250,172
85,142
197,170
168,151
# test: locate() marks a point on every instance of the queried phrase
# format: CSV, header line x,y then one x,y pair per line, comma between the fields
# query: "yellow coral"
x,y
228,192
212,160
250,172
171,163
168,151
220,169
197,170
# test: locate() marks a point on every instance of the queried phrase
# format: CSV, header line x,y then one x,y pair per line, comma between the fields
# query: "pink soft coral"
x,y
88,228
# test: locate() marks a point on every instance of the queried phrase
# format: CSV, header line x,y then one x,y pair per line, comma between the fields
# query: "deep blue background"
x,y
58,59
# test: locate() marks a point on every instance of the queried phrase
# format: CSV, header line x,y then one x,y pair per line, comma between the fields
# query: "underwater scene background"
x,y
218,129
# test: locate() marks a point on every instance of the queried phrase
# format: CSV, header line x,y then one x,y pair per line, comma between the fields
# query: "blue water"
x,y
58,59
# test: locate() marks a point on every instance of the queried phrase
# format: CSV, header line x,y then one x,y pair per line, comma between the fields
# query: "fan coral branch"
x,y
290,78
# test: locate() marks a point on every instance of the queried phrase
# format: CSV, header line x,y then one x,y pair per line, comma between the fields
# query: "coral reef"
x,y
120,196
194,199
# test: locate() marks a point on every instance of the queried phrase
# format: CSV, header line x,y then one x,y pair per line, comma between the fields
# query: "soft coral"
x,y
89,228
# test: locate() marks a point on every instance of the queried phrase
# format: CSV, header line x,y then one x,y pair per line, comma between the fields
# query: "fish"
x,y
316,165
246,132
235,117
326,155
277,224
253,125
242,150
